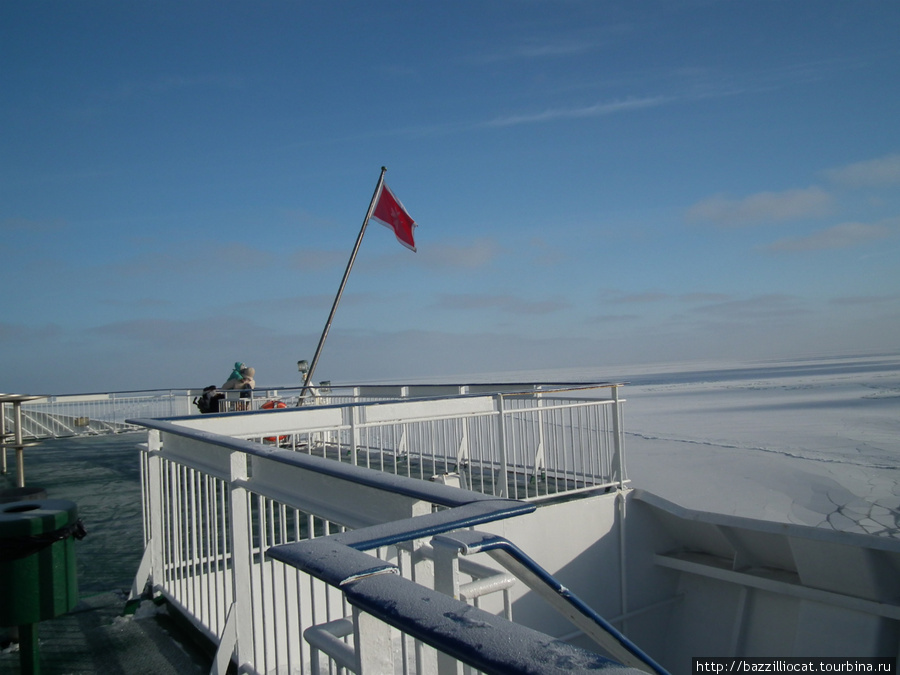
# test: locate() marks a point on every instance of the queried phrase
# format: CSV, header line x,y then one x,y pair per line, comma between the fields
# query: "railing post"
x,y
446,581
155,503
374,652
20,446
539,462
501,443
618,463
354,433
152,565
3,437
241,557
422,573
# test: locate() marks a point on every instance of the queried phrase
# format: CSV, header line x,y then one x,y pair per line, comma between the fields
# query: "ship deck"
x,y
103,634
99,636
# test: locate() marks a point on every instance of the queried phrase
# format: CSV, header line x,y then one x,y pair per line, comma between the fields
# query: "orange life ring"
x,y
271,405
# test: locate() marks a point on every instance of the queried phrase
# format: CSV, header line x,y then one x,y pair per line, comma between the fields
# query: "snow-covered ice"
x,y
815,442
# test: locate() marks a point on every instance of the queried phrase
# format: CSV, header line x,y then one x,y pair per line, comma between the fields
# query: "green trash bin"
x,y
38,578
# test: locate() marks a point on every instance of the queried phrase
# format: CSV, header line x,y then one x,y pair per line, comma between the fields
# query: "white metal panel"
x,y
195,453
330,497
279,421
408,411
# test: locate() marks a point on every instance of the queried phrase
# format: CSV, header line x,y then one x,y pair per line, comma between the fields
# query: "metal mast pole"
x,y
337,299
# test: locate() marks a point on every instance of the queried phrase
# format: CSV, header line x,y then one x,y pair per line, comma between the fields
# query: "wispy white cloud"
x,y
174,332
537,49
612,318
316,260
16,333
286,306
772,305
870,173
642,298
478,253
762,208
546,254
185,258
504,303
845,235
704,297
618,297
577,112
856,300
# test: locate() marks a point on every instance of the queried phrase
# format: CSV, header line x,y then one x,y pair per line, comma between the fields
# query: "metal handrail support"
x,y
560,598
485,580
326,637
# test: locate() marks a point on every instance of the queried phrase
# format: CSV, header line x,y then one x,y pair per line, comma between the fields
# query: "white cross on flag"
x,y
390,213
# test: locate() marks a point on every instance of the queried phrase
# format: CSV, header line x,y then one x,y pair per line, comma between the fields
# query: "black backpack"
x,y
209,401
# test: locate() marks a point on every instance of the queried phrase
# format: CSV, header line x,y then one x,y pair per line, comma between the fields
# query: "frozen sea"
x,y
815,442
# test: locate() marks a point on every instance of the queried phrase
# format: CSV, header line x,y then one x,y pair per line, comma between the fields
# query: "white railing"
x,y
521,446
88,414
100,413
215,502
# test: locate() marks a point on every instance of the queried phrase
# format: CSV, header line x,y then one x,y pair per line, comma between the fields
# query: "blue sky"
x,y
596,184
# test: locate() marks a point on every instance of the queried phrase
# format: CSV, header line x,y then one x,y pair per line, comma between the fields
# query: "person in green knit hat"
x,y
234,380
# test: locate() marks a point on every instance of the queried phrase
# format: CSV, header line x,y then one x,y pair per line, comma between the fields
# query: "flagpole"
x,y
337,298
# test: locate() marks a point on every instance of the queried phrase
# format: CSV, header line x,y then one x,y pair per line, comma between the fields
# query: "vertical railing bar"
x,y
273,510
522,452
194,537
169,577
313,605
291,580
510,440
398,454
171,526
570,414
560,445
182,530
487,454
222,552
607,426
178,517
504,459
218,570
578,451
161,576
279,608
619,449
596,428
207,558
253,583
265,525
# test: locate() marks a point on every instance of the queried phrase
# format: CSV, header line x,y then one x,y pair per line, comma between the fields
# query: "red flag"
x,y
390,213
